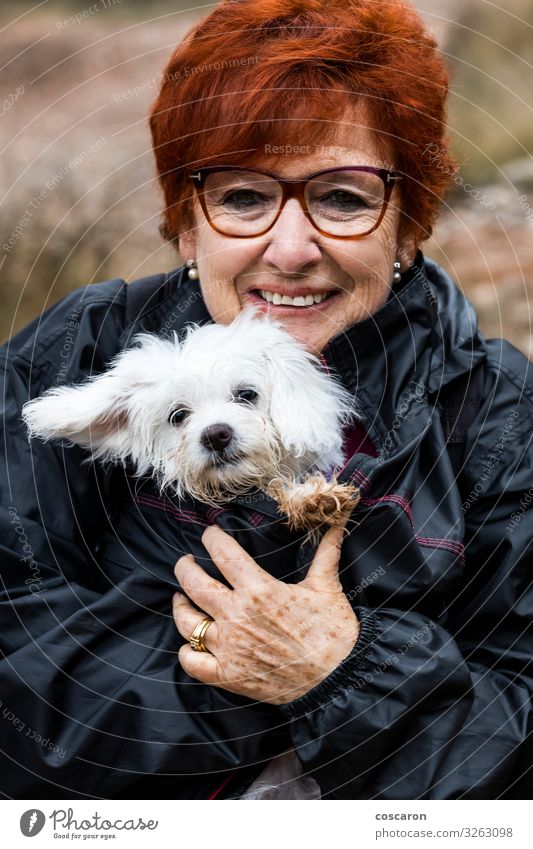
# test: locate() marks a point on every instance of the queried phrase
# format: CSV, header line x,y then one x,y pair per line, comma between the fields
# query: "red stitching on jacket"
x,y
191,516
397,499
256,518
213,513
360,478
449,544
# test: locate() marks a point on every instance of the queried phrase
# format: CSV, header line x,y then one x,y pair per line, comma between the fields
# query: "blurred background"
x,y
80,202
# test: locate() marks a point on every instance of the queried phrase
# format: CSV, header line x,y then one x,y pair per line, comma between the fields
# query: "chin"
x,y
314,339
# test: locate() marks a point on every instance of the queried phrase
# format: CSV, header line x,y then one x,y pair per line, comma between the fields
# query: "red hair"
x,y
284,72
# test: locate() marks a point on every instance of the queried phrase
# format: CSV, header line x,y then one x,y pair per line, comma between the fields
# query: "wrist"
x,y
340,646
350,669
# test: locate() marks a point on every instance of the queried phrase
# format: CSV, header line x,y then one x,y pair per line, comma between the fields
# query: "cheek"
x,y
378,253
217,291
220,295
386,246
375,263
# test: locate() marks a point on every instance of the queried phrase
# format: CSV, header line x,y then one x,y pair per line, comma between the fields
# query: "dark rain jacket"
x,y
433,702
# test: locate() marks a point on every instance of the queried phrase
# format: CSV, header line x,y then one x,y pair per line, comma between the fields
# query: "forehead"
x,y
354,142
331,157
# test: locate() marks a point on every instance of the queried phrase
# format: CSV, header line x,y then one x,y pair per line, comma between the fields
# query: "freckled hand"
x,y
270,641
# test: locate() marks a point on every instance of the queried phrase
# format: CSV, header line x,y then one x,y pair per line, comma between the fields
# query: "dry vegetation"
x,y
77,175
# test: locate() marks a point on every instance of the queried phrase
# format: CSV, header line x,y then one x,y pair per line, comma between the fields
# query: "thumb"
x,y
323,573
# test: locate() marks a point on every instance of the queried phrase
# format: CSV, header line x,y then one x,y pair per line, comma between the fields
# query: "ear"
x,y
93,414
307,405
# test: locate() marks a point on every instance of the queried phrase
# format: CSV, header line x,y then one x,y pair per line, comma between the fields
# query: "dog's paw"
x,y
314,502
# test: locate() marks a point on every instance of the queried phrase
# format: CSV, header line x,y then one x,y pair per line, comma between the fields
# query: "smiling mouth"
x,y
299,301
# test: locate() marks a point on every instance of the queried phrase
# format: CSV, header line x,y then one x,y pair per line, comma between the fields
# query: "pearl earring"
x,y
397,276
193,271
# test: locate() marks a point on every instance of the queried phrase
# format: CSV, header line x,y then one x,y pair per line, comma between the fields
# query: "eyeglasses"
x,y
343,203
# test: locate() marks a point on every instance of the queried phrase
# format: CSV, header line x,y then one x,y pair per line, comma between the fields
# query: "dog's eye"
x,y
245,396
176,417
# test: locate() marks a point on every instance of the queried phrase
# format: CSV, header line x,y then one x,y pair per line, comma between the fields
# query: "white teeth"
x,y
299,301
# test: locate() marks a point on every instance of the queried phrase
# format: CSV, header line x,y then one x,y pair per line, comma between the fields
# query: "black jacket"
x,y
435,699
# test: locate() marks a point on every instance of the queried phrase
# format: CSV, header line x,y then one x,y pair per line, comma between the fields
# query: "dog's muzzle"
x,y
217,438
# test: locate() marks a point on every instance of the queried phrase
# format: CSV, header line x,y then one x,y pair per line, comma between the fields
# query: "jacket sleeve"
x,y
443,710
91,696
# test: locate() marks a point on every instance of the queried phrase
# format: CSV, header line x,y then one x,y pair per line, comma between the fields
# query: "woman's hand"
x,y
270,641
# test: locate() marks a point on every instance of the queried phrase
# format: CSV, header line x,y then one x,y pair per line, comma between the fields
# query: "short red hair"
x,y
284,72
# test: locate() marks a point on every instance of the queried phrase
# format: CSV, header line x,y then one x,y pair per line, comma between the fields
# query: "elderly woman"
x,y
301,148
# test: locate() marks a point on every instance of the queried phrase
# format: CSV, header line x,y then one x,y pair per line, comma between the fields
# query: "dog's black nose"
x,y
217,437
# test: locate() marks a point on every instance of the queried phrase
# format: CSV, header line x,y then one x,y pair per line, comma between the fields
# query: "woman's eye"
x,y
344,200
176,417
245,396
245,199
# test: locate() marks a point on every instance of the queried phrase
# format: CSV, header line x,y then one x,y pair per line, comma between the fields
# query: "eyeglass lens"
x,y
342,203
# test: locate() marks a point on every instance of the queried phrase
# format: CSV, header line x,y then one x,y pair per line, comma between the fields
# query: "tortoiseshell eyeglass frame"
x,y
296,189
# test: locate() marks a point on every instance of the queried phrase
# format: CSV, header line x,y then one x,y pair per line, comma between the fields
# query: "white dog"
x,y
228,408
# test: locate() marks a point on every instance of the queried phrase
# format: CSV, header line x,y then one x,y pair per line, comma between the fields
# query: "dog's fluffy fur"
x,y
285,441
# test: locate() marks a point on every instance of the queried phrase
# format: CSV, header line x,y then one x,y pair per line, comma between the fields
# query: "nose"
x,y
217,437
292,241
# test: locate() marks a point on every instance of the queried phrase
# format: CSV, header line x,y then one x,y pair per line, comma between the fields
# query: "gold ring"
x,y
197,637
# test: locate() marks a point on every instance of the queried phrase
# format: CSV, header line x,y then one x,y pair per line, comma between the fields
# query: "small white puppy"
x,y
228,408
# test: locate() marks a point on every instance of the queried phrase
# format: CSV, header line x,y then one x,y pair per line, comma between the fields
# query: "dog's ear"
x,y
93,414
307,406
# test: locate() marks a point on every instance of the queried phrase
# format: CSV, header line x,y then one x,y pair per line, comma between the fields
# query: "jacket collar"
x,y
422,337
